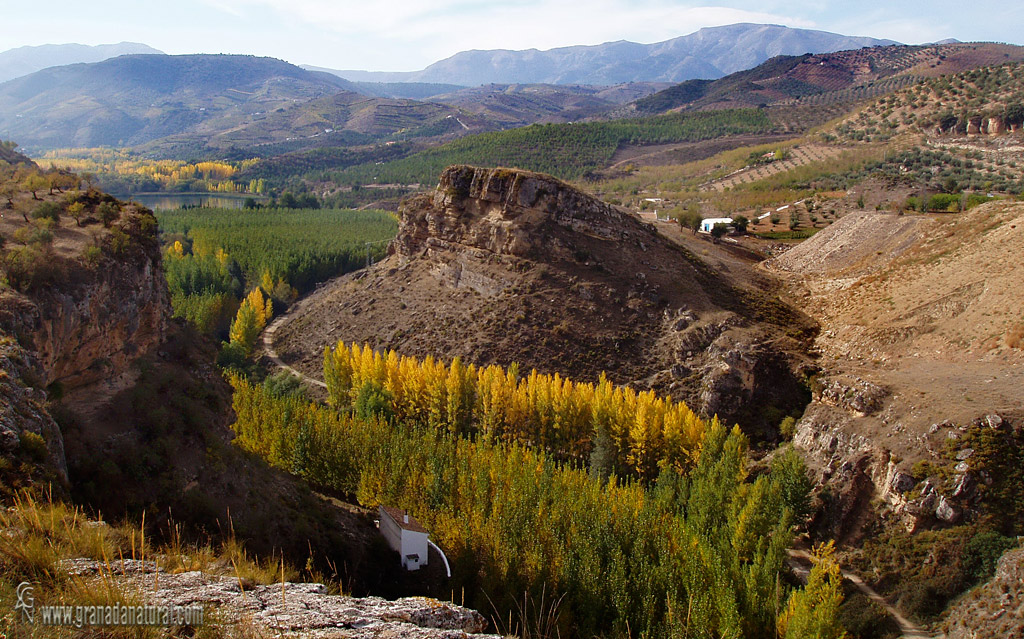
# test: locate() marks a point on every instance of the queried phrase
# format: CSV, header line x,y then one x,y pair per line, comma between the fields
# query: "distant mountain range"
x,y
15,63
708,54
196,105
239,106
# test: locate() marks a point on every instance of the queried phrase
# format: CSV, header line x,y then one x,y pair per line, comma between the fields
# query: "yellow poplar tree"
x,y
812,613
252,317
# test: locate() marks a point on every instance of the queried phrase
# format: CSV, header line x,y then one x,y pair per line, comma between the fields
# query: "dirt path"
x,y
268,348
909,630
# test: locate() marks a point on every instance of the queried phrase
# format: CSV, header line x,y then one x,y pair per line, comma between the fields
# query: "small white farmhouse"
x,y
405,535
709,223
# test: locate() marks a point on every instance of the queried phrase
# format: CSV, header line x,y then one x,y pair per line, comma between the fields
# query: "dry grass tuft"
x,y
1015,337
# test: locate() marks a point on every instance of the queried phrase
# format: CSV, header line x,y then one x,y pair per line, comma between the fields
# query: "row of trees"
x,y
614,428
697,554
123,171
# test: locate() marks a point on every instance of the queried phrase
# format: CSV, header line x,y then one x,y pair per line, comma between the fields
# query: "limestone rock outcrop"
x,y
81,332
501,210
287,609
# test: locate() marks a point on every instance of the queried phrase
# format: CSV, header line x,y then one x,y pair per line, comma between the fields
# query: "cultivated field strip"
x,y
798,156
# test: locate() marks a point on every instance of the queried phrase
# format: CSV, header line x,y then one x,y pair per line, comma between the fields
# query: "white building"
x,y
709,223
405,535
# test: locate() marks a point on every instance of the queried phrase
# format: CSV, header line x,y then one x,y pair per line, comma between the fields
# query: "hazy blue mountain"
x,y
15,63
709,53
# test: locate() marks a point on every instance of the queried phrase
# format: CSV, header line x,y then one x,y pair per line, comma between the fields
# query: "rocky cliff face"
x,y
79,331
501,266
23,414
89,329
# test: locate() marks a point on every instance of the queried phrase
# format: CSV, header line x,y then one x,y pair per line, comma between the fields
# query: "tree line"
x,y
613,428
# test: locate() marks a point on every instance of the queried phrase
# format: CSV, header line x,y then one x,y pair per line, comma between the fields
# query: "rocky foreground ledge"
x,y
291,609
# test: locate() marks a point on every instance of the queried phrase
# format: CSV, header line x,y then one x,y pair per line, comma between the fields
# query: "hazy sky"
x,y
399,35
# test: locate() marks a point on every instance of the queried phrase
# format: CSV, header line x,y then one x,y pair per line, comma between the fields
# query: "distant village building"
x,y
405,535
709,223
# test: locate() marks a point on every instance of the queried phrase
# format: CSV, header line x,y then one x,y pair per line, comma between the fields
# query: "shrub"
x,y
865,619
982,553
92,255
944,202
33,445
118,241
108,212
284,384
232,355
48,211
788,427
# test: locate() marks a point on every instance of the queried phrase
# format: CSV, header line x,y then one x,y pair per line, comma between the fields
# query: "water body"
x,y
167,201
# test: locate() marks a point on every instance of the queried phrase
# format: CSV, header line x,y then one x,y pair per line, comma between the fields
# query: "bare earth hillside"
x,y
505,266
922,334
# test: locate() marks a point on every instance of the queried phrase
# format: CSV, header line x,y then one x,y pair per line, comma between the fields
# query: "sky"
x,y
408,35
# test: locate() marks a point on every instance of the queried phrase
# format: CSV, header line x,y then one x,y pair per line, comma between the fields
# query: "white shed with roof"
x,y
406,535
709,223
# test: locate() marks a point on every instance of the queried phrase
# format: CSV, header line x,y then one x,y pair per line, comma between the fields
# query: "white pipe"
x,y
447,568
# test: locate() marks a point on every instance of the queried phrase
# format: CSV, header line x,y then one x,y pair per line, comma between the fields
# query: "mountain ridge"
x,y
711,52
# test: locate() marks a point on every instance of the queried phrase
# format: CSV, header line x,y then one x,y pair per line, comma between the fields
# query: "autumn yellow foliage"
x,y
253,315
636,433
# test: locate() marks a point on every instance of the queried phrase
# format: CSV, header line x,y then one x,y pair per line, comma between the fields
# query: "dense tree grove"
x,y
615,427
693,554
124,171
302,246
214,255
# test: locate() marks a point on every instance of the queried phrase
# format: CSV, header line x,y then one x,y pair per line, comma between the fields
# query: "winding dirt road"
x,y
909,630
268,348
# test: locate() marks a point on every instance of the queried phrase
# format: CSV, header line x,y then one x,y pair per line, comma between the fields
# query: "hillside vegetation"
x,y
842,77
986,100
567,151
590,557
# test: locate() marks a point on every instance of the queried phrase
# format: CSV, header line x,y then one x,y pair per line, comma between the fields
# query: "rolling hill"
x,y
135,99
523,104
708,53
821,79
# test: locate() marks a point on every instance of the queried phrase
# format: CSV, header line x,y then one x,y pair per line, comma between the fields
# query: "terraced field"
x,y
798,156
